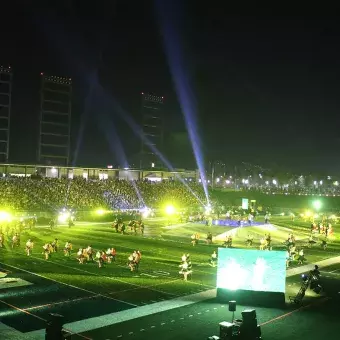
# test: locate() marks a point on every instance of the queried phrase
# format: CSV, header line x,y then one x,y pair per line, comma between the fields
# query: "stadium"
x,y
165,173
99,298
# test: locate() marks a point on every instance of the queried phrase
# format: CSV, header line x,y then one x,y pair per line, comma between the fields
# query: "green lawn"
x,y
275,202
61,284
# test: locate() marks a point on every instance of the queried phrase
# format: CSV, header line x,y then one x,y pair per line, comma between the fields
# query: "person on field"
x,y
29,247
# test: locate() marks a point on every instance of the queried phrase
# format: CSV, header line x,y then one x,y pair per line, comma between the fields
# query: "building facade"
x,y
55,120
152,112
5,111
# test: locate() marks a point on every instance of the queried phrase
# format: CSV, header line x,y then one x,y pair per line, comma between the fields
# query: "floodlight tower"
x,y
152,128
6,77
55,120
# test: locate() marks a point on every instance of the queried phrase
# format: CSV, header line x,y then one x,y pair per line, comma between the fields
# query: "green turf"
x,y
277,202
61,279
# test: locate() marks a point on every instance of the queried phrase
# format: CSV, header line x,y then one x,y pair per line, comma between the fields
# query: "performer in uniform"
x,y
29,247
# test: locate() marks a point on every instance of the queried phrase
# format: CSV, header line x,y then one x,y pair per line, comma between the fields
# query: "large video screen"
x,y
256,270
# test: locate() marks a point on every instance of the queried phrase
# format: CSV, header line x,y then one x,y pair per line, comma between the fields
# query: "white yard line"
x,y
99,275
69,285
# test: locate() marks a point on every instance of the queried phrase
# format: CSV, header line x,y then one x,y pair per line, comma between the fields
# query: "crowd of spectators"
x,y
47,194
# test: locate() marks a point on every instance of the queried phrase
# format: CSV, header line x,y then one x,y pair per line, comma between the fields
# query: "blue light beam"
x,y
168,16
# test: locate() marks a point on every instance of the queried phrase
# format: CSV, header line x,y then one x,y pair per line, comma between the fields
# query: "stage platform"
x,y
233,223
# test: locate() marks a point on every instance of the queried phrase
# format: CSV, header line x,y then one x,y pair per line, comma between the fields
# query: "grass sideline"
x,y
276,201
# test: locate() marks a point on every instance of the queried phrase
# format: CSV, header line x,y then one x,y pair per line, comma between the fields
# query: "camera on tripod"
x,y
310,280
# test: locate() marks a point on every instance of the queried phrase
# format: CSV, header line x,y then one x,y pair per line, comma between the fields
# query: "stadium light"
x,y
170,209
5,216
100,212
146,212
63,217
317,205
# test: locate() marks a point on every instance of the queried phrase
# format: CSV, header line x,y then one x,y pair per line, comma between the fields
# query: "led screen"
x,y
256,270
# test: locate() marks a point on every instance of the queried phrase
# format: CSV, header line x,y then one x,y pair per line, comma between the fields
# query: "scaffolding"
x,y
152,124
55,120
5,111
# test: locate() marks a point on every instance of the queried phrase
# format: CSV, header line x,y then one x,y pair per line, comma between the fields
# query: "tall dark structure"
x,y
152,115
5,111
55,120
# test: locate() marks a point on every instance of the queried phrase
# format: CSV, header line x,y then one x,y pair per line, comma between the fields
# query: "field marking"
x,y
69,285
334,271
153,276
23,311
96,274
39,318
175,226
295,311
90,324
145,274
147,287
125,290
196,270
144,238
60,302
114,278
323,272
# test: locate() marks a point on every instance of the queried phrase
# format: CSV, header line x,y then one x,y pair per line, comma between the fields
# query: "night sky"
x,y
265,88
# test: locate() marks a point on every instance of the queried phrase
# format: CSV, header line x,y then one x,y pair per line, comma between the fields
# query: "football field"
x,y
113,302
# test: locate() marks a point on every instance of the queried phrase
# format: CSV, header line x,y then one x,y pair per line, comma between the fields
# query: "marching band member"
x,y
55,245
209,238
29,247
185,270
109,256
263,244
249,241
131,225
80,256
15,240
194,239
68,248
213,259
141,227
99,259
301,257
230,241
89,253
47,250
131,263
113,254
138,257
104,256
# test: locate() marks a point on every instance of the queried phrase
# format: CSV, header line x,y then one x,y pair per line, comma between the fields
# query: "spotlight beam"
x,y
87,71
180,77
